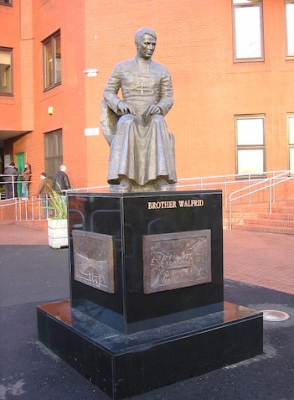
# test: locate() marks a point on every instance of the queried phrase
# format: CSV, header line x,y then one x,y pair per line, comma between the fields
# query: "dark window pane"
x,y
53,151
52,61
57,60
48,64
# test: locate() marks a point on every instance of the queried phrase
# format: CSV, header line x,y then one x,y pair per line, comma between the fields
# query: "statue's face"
x,y
146,46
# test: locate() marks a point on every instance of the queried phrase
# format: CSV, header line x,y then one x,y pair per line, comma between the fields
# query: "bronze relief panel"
x,y
176,260
94,260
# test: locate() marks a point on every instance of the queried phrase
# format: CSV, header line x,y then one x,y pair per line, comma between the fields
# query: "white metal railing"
x,y
267,183
14,182
224,182
221,181
21,209
88,189
33,208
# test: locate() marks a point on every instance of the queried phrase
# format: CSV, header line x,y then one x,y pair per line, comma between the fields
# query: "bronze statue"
x,y
141,148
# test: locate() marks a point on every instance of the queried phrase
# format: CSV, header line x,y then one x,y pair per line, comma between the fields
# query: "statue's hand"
x,y
124,108
151,110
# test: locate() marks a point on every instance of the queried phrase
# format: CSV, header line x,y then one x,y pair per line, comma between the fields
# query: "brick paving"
x,y
261,259
18,234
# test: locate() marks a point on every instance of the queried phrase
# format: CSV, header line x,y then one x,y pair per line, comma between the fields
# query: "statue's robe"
x,y
141,149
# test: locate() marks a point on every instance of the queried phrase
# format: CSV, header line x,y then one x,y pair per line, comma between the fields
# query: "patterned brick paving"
x,y
19,234
261,259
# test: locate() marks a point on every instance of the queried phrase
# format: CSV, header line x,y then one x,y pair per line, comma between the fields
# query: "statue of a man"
x,y
141,148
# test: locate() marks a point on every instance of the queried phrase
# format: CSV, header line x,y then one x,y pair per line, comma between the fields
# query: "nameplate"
x,y
157,205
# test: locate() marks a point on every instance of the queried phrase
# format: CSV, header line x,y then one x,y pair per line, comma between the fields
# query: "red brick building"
x,y
231,61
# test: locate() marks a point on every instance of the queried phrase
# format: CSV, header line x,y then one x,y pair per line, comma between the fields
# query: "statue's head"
x,y
145,40
143,31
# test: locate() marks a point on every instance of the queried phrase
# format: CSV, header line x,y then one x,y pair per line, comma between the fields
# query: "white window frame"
x,y
289,22
290,131
248,30
250,145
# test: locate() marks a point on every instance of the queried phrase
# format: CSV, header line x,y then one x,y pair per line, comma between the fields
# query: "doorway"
x,y
20,163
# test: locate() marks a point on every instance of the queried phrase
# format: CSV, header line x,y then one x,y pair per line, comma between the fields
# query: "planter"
x,y
57,233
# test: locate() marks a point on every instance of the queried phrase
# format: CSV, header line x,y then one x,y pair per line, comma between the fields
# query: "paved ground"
x,y
31,273
21,235
261,259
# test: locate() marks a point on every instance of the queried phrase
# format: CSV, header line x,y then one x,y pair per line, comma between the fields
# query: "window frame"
x,y
240,5
250,147
287,33
10,51
54,160
52,71
6,3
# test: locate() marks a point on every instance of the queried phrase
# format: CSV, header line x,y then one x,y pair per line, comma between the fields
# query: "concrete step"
x,y
264,228
278,204
276,215
281,220
283,209
269,222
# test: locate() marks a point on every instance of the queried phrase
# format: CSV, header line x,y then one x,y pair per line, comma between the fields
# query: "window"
x,y
52,61
53,151
290,128
248,30
6,2
5,71
250,145
289,14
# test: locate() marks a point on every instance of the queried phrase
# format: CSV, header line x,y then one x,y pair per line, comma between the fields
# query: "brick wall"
x,y
10,107
195,43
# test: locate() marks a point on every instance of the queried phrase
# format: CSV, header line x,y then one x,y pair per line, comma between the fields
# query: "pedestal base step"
x,y
127,365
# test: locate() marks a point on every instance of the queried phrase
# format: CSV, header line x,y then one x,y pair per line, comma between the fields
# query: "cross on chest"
x,y
144,85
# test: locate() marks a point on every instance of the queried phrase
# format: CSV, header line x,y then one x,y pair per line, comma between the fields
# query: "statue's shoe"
x,y
164,186
123,187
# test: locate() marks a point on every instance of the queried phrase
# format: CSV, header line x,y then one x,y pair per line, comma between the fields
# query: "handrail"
x,y
33,207
248,188
14,182
25,210
224,180
86,189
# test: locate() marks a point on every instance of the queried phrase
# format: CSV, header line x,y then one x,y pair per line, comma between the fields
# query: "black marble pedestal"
x,y
146,282
125,365
178,229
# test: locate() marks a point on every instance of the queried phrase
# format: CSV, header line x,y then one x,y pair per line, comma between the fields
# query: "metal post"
x,y
249,195
270,197
226,201
230,215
